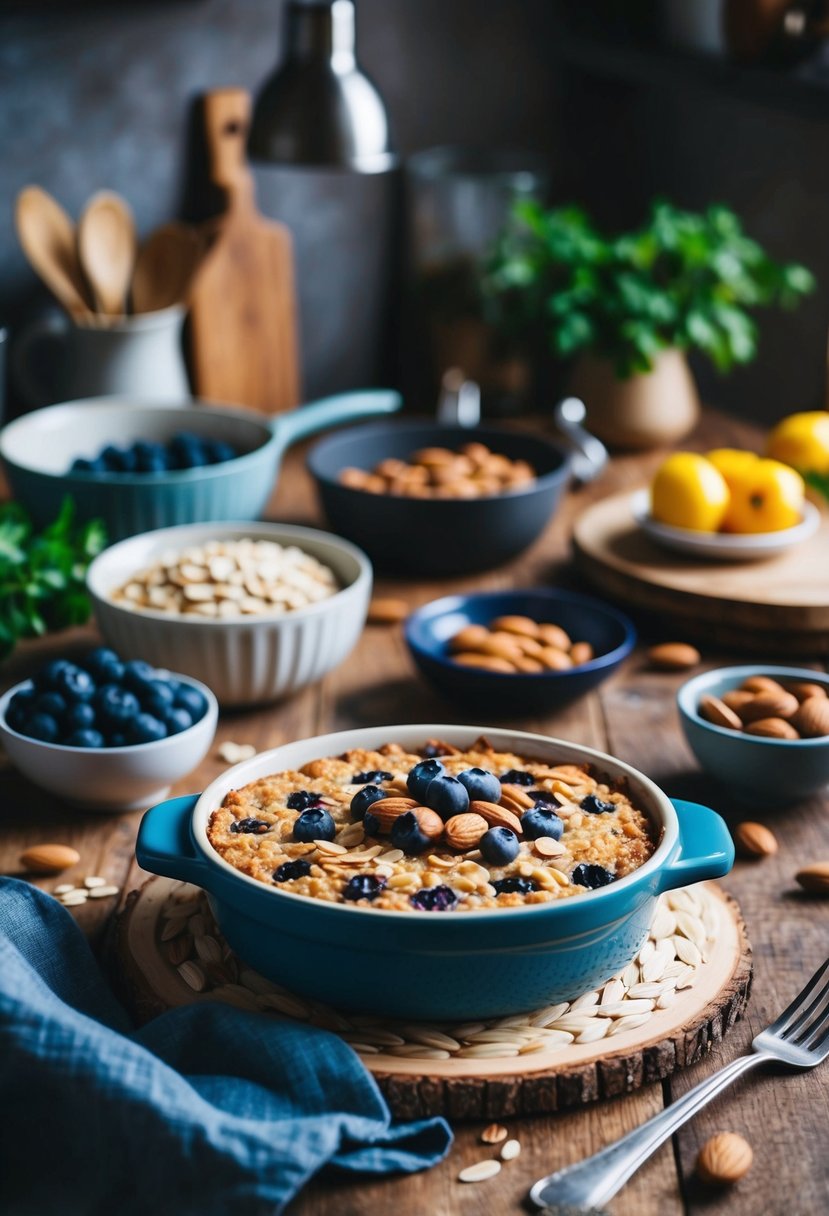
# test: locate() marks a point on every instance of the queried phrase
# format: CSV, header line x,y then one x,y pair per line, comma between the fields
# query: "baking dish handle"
x,y
332,411
706,849
164,845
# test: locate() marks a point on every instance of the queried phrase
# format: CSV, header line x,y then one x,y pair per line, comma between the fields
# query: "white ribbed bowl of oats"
x,y
254,610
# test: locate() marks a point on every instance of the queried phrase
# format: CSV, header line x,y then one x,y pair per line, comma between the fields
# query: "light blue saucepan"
x,y
435,965
38,449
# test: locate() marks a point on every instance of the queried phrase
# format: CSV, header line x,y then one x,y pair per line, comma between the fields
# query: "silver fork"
x,y
799,1039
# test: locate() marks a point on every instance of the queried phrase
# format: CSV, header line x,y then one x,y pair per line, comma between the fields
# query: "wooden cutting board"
x,y
779,605
243,314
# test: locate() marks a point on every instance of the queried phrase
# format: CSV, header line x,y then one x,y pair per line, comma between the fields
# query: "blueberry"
x,y
20,707
191,699
85,738
363,886
74,684
314,824
516,886
595,806
499,846
176,720
51,703
302,800
80,465
447,796
104,665
588,875
139,676
481,785
150,457
187,451
43,727
374,776
541,821
129,460
145,728
116,706
46,677
80,716
218,451
431,750
543,796
156,697
407,834
434,899
117,739
515,776
291,869
249,825
112,459
420,776
363,799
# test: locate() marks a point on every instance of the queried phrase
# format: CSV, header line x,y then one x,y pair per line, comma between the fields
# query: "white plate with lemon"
x,y
727,506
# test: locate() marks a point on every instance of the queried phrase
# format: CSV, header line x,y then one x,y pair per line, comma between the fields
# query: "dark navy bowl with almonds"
x,y
429,631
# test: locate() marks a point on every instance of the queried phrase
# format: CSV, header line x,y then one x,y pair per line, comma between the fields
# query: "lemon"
x,y
802,441
689,492
731,462
766,496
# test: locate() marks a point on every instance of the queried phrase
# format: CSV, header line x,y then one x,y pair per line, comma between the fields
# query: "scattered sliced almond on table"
x,y
724,1159
480,1171
494,1134
233,753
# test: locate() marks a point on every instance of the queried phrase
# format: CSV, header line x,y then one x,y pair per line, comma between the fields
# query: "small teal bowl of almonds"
x,y
761,730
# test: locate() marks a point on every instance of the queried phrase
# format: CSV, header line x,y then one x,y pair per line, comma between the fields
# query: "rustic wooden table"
x,y
632,716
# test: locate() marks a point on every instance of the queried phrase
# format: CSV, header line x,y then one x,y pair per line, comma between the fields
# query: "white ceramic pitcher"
x,y
141,356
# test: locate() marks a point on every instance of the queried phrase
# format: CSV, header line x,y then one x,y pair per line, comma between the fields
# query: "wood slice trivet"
x,y
545,1081
779,605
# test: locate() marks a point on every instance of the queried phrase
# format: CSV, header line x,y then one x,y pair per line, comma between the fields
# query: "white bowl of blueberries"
x,y
105,734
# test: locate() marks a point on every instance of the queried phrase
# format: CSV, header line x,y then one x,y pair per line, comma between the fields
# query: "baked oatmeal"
x,y
437,829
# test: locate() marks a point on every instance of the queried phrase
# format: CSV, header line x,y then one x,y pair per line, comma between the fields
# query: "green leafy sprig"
x,y
42,574
683,280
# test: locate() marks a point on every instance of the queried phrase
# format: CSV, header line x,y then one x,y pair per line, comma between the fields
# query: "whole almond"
x,y
517,795
581,652
815,878
804,690
49,858
554,659
761,684
673,656
812,718
772,728
497,816
431,824
486,662
464,831
555,636
717,712
434,457
769,704
736,698
502,645
528,646
528,666
387,810
754,840
523,625
724,1159
469,638
387,611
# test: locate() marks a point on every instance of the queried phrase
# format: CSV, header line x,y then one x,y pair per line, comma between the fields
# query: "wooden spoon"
x,y
107,244
47,236
164,267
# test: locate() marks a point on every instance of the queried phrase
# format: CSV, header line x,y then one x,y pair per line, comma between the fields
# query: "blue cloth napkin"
x,y
207,1109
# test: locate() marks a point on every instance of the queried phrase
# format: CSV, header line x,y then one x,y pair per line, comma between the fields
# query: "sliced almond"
x,y
480,1171
494,1134
546,846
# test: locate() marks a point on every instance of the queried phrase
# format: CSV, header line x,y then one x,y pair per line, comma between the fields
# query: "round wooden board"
x,y
780,604
539,1083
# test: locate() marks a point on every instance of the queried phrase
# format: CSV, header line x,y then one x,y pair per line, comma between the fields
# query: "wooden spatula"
x,y
164,267
47,236
243,306
107,245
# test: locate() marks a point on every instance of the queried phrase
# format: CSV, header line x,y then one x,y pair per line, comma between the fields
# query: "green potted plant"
x,y
627,308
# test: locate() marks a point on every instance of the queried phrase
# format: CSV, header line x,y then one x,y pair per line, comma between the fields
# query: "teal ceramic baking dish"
x,y
435,965
38,449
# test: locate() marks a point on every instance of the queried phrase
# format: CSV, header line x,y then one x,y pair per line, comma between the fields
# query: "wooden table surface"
x,y
783,1116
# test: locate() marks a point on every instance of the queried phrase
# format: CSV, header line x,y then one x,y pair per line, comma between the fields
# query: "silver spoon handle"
x,y
594,1182
590,455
